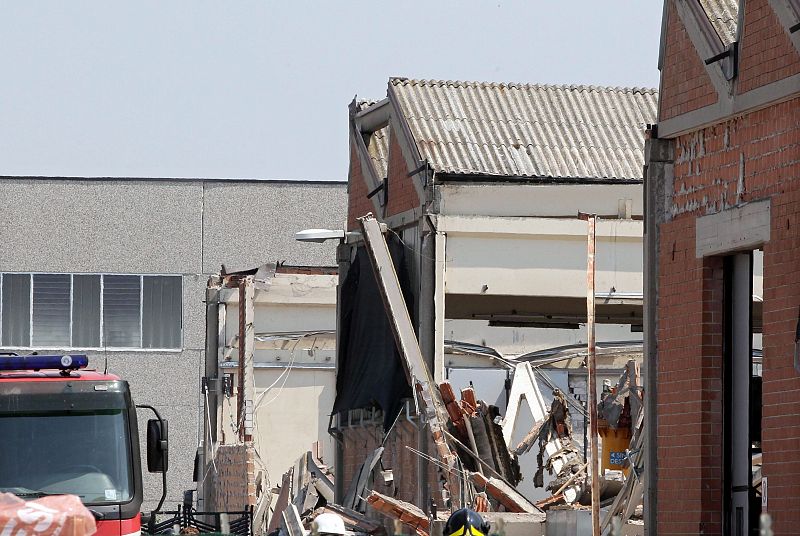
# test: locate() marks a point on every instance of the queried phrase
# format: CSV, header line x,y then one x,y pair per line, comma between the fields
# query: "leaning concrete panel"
x,y
123,226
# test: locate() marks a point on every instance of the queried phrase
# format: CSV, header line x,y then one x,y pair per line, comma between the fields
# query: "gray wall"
x,y
167,227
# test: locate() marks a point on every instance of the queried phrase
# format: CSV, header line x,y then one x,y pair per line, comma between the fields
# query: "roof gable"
x,y
527,131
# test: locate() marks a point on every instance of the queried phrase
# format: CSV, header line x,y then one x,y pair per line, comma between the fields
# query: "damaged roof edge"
x,y
374,116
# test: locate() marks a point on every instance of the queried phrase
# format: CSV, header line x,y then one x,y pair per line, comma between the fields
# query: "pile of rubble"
x,y
487,470
306,491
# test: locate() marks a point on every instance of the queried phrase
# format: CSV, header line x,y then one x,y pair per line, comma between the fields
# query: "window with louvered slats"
x,y
60,311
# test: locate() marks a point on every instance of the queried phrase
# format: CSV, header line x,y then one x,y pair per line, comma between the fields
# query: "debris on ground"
x,y
486,467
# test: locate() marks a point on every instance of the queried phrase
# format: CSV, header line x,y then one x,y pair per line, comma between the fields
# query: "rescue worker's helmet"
x,y
466,522
329,523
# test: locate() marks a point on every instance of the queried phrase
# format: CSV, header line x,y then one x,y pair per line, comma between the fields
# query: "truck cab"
x,y
64,430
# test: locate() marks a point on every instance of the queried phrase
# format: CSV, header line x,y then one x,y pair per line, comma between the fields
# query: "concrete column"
x,y
427,342
658,178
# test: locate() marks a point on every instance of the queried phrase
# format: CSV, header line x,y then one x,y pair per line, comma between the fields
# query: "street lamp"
x,y
319,235
323,235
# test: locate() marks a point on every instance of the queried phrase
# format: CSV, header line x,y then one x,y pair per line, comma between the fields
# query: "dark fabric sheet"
x,y
371,372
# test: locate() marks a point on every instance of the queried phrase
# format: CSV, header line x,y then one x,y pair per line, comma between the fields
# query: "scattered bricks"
x,y
406,513
453,409
468,401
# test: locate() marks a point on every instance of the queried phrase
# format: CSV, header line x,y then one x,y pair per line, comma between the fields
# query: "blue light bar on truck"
x,y
44,362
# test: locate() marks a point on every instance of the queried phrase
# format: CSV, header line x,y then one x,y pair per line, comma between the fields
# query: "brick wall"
x,y
689,376
402,194
357,202
685,84
747,158
234,480
766,54
360,441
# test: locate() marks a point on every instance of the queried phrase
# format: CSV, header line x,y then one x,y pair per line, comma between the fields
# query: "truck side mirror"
x,y
157,446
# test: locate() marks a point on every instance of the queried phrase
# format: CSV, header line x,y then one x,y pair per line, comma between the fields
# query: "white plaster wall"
x,y
514,199
292,416
295,380
550,260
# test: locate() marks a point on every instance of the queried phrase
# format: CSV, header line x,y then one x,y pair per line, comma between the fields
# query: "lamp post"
x,y
319,236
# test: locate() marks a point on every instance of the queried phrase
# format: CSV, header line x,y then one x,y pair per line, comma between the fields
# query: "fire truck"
x,y
68,430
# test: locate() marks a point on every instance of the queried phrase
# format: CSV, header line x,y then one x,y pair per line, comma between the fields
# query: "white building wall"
x,y
295,379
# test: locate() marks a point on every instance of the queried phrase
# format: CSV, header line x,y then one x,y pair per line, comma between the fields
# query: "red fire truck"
x,y
67,430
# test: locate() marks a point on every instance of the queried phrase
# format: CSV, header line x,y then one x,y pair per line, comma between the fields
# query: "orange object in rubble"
x,y
59,515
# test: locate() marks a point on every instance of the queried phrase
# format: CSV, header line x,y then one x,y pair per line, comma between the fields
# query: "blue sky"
x,y
259,89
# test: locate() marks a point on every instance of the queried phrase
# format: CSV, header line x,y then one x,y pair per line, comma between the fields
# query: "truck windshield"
x,y
84,453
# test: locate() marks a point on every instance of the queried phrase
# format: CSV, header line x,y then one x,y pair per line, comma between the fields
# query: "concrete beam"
x,y
745,227
535,226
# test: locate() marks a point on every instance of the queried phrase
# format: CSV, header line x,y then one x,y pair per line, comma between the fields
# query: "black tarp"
x,y
370,371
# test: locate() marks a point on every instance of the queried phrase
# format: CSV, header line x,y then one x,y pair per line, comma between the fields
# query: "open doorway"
x,y
742,401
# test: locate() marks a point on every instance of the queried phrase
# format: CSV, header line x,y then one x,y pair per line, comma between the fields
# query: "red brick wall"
x,y
707,162
357,202
234,481
766,54
781,398
359,442
685,85
765,145
689,372
402,194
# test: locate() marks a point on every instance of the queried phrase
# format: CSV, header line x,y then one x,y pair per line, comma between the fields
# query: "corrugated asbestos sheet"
x,y
724,17
378,149
519,130
377,142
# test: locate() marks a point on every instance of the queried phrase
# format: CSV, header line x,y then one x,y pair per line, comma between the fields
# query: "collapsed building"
x,y
479,186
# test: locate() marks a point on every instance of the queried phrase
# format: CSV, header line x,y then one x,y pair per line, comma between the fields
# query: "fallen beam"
x,y
408,514
509,497
416,369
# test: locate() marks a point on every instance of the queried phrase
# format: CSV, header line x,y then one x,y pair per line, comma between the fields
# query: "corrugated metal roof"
x,y
524,130
724,17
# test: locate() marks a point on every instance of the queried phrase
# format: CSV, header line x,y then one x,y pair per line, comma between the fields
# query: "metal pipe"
x,y
591,362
